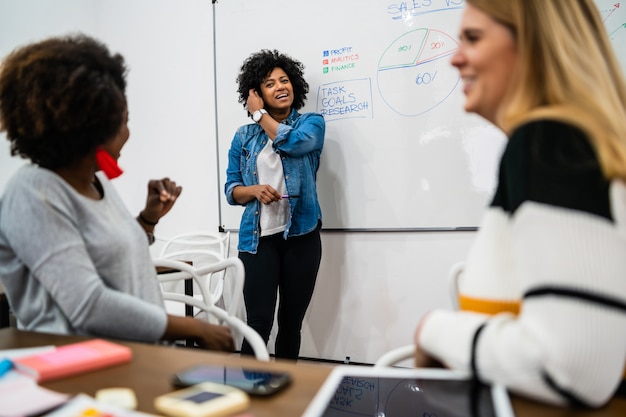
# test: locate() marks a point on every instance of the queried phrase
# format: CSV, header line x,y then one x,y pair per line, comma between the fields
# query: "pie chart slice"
x,y
414,73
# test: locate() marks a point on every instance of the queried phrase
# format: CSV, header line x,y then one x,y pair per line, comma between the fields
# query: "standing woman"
x,y
543,292
272,169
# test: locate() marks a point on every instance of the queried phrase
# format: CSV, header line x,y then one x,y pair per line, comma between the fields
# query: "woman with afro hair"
x,y
272,169
73,260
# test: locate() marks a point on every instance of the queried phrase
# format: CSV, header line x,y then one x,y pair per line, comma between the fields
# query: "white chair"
x,y
202,248
203,276
395,355
454,277
219,242
215,281
406,352
206,303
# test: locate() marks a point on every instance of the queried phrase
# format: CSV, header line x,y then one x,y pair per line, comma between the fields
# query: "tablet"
x,y
402,392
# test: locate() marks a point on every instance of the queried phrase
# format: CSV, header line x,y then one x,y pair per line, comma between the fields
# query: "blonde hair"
x,y
567,70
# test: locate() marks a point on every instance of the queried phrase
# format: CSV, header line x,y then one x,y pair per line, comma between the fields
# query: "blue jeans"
x,y
286,267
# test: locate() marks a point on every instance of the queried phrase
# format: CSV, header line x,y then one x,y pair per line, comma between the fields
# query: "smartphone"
x,y
252,381
203,400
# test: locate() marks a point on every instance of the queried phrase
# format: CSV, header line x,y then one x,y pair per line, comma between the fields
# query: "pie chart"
x,y
414,73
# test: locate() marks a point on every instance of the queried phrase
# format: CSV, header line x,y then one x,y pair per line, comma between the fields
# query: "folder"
x,y
73,359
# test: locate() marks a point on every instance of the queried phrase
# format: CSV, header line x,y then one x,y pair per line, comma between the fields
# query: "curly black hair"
x,y
260,64
61,98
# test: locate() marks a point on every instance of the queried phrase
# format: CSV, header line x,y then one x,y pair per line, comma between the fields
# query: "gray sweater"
x,y
70,264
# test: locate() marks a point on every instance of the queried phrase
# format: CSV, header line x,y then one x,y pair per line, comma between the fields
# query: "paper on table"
x,y
21,396
18,353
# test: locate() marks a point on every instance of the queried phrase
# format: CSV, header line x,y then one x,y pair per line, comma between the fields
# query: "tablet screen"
x,y
404,394
250,380
202,397
397,397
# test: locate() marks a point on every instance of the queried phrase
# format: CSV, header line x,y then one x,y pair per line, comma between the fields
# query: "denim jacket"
x,y
299,142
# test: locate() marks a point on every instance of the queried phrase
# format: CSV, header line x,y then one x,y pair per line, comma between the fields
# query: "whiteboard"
x,y
400,153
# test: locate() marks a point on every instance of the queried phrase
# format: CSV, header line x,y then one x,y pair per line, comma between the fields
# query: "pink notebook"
x,y
73,359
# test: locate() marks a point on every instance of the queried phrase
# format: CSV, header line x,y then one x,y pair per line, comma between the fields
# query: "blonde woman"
x,y
543,292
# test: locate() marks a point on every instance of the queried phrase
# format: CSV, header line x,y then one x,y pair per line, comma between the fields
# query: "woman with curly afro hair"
x,y
272,168
73,260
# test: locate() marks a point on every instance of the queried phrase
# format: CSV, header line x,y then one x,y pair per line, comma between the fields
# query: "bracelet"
x,y
145,221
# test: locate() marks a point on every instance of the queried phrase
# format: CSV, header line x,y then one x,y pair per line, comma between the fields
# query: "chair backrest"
x,y
395,355
203,276
219,242
215,281
206,303
202,248
454,277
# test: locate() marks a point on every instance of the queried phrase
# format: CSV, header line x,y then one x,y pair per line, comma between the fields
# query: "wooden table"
x,y
152,366
148,374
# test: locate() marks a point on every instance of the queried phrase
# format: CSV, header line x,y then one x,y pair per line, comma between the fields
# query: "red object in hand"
x,y
108,164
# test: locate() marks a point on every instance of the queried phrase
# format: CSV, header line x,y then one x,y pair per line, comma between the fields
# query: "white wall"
x,y
26,21
372,287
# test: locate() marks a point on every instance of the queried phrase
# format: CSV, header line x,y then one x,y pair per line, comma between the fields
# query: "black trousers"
x,y
288,268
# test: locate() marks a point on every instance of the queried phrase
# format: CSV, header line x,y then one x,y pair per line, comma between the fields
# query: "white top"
x,y
274,216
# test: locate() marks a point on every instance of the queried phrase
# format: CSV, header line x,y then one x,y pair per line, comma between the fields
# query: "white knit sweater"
x,y
553,243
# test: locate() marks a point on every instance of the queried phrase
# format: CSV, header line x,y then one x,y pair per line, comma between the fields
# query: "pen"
x,y
289,196
5,366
